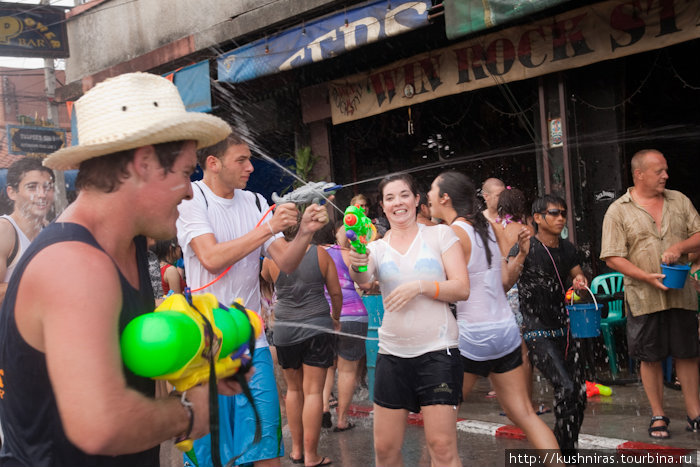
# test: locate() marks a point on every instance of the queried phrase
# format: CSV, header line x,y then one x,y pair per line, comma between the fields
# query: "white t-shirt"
x,y
227,219
423,325
23,245
487,327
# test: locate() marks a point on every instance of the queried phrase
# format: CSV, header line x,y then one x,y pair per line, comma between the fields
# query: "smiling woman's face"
x,y
399,202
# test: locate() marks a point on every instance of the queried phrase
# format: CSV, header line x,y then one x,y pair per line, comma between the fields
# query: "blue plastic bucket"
x,y
584,319
675,275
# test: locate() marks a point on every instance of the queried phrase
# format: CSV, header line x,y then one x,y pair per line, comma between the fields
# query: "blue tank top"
x,y
34,434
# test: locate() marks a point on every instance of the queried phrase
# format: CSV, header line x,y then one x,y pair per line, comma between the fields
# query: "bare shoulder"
x,y
7,237
84,270
85,297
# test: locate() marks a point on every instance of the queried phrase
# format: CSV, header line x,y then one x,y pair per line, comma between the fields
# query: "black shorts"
x,y
318,351
352,348
499,365
653,337
434,378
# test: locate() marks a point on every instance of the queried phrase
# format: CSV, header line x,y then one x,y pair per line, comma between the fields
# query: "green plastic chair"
x,y
609,284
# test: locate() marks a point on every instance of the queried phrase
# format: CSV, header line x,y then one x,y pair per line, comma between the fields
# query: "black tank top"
x,y
34,435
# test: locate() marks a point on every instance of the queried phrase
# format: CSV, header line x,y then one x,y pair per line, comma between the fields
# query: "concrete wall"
x,y
106,33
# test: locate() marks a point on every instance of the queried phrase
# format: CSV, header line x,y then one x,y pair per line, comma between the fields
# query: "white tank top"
x,y
23,244
487,327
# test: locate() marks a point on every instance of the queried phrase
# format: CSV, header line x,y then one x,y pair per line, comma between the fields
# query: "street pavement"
x,y
617,422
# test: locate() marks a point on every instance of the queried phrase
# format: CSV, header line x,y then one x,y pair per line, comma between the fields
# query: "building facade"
x,y
553,99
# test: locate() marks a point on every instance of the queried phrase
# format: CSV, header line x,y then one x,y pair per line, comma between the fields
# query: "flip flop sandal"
x,y
339,430
693,425
659,429
323,461
296,461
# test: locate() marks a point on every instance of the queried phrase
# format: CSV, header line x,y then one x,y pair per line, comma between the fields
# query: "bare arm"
x,y
626,267
267,269
172,277
62,316
288,255
215,256
674,252
330,273
7,243
514,265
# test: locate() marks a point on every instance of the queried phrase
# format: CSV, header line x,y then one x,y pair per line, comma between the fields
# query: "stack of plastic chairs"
x,y
609,284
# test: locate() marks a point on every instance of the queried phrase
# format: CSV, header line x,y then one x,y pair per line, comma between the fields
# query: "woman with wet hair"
x,y
512,216
489,337
420,271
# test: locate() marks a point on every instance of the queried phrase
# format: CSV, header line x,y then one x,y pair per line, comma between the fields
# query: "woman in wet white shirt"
x,y
489,337
420,270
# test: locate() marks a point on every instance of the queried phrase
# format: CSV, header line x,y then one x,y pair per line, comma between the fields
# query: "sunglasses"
x,y
555,212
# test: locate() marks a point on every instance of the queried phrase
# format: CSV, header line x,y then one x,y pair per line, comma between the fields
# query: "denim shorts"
x,y
434,378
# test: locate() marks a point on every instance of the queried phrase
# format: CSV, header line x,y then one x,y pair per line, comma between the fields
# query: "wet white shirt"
x,y
487,327
423,325
227,219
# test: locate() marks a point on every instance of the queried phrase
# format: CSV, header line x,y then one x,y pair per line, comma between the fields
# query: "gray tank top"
x,y
300,301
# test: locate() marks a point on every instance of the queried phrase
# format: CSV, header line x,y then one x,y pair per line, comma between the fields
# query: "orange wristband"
x,y
437,290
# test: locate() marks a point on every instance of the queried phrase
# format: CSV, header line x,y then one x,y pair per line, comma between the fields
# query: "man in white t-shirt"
x,y
219,227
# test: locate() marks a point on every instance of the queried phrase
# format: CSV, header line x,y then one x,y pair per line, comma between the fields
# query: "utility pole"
x,y
60,200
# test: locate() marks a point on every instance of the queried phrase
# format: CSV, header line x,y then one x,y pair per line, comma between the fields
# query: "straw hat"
x,y
130,111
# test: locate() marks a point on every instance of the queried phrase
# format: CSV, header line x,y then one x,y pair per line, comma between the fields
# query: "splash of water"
x,y
296,325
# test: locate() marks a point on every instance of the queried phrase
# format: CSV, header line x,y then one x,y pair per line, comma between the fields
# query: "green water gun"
x,y
359,230
180,340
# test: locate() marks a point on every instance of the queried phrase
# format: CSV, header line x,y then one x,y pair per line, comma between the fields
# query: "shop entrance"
x,y
485,133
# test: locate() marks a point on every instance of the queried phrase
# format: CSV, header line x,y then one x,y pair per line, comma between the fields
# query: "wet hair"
x,y
219,149
163,249
462,193
423,199
404,177
512,201
18,169
106,173
325,235
540,205
357,198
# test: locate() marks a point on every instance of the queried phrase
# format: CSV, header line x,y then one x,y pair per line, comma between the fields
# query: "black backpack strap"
x,y
257,202
15,248
205,196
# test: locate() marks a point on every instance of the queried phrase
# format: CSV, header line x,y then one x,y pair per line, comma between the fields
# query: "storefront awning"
x,y
463,17
323,38
603,31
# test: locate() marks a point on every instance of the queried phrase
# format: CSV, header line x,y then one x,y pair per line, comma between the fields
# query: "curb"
x,y
513,432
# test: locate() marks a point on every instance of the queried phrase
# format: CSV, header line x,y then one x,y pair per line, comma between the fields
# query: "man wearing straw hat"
x,y
647,226
65,397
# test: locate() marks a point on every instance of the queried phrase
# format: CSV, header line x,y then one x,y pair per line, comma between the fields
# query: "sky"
x,y
18,62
